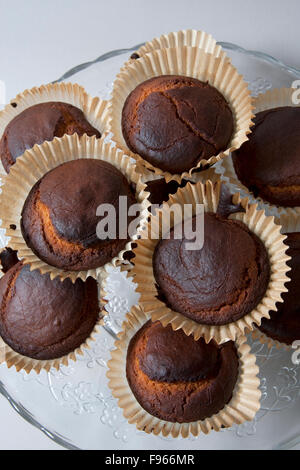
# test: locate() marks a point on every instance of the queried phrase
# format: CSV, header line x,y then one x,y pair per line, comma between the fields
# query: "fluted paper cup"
x,y
265,229
34,164
190,62
187,37
203,176
243,406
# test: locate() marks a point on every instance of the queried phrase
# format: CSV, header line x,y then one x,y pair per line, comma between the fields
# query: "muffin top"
x,y
180,387
59,218
218,284
173,122
39,123
45,319
284,325
269,162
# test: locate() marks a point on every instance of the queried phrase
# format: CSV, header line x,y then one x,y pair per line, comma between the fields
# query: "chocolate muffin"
x,y
45,319
59,220
178,379
39,123
218,284
284,325
173,122
269,163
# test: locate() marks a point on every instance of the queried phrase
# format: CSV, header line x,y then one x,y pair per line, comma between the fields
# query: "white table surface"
x,y
41,39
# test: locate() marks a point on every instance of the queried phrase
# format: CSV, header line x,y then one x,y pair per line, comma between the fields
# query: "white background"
x,y
41,39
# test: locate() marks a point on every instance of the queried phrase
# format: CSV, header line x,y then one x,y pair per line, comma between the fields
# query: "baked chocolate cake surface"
x,y
8,258
39,123
173,122
160,190
218,284
269,163
59,218
45,319
178,379
284,325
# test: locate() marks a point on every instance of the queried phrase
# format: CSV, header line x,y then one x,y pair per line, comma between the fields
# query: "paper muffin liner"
x,y
203,176
187,37
242,407
191,62
289,223
33,165
94,109
271,99
264,227
264,339
20,362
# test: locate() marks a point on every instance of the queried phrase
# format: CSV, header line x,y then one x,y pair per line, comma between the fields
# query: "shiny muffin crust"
x,y
59,218
173,122
39,123
44,319
219,284
178,379
269,163
284,325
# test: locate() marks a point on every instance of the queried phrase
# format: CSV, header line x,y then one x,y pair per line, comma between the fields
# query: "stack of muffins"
x,y
182,363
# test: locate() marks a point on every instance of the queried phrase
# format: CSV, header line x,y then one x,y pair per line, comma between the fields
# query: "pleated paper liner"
x,y
94,109
289,223
20,362
148,176
271,99
187,37
264,227
242,407
191,62
203,176
34,164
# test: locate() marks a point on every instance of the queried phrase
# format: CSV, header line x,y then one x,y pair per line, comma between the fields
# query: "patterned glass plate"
x,y
74,406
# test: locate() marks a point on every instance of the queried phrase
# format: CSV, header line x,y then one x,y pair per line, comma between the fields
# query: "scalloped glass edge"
x,y
20,409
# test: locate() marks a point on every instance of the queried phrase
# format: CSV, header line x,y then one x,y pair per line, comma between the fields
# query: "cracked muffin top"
x,y
180,387
59,217
284,325
268,164
219,283
45,319
39,123
173,122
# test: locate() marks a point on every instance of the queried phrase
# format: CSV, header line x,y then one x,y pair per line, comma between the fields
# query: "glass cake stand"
x,y
74,406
